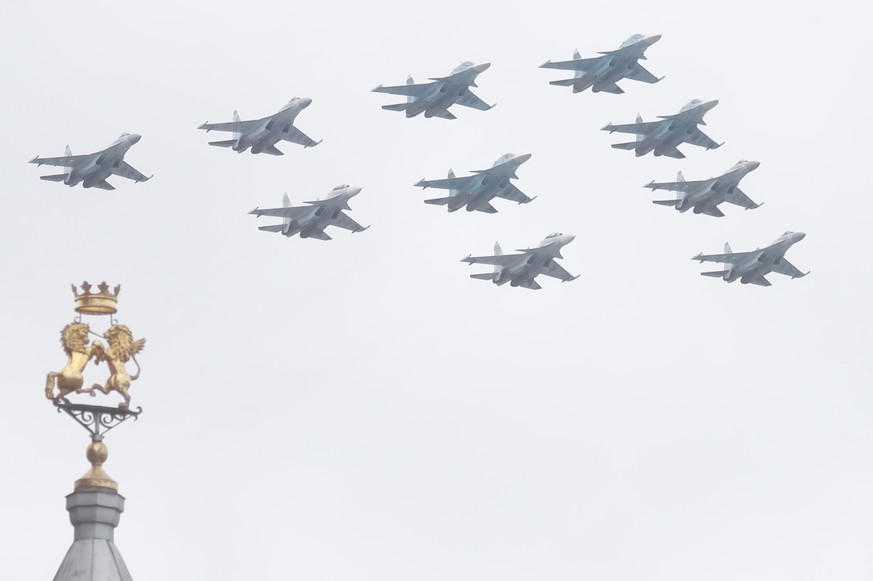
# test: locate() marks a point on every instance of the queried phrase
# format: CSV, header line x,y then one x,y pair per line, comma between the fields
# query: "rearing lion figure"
x,y
122,349
74,338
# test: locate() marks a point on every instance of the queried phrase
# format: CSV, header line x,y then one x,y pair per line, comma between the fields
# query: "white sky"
x,y
360,409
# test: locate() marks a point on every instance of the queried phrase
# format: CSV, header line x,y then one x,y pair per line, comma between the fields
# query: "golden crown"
x,y
102,302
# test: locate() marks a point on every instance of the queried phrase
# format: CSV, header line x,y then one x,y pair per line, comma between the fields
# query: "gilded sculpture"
x,y
74,339
122,348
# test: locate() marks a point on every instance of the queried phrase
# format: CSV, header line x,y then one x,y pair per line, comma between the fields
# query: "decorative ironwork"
x,y
96,419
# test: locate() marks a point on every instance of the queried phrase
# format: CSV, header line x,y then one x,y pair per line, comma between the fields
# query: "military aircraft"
x,y
601,73
522,268
434,98
704,196
311,220
476,191
92,169
663,136
750,267
262,135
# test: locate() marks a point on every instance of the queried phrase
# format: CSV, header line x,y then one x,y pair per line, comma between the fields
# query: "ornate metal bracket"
x,y
95,418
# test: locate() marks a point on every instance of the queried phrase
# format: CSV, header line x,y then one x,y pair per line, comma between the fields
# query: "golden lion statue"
x,y
122,348
74,338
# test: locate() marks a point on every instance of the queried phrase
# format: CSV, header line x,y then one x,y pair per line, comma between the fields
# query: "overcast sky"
x,y
360,409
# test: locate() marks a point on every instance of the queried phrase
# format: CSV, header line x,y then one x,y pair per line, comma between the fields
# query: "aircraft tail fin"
x,y
727,248
226,143
484,275
68,152
640,136
497,252
286,203
55,178
396,107
272,227
236,118
716,273
451,173
409,81
576,55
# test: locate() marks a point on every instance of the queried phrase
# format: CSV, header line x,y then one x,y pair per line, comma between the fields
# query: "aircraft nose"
x,y
481,68
653,39
134,137
354,191
305,102
754,165
568,238
520,159
798,236
710,104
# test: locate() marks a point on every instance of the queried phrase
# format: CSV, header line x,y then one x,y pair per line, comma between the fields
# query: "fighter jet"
x,y
522,268
663,136
704,196
476,191
435,98
91,170
262,135
603,72
311,220
750,267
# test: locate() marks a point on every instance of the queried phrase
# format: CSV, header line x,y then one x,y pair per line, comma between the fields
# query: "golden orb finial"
x,y
96,477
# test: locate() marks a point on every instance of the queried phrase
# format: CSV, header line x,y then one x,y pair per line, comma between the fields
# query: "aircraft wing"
x,y
731,257
343,221
412,90
788,269
292,212
65,161
555,270
739,198
643,128
498,260
701,139
235,126
675,186
126,170
574,65
474,102
639,73
510,192
461,184
294,135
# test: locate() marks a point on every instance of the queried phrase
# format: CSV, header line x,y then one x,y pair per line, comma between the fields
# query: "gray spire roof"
x,y
93,556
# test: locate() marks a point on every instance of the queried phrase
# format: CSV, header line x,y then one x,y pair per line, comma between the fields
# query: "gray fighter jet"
x,y
262,135
704,196
663,136
476,191
522,268
311,220
91,170
434,98
601,73
750,267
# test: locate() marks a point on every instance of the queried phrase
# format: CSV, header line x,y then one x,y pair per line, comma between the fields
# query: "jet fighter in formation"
x,y
476,191
601,73
311,220
662,137
262,135
704,196
92,169
522,268
750,267
434,98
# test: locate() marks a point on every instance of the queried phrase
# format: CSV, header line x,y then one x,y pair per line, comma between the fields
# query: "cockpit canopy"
x,y
341,187
503,159
788,233
554,235
691,104
634,38
123,135
463,67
